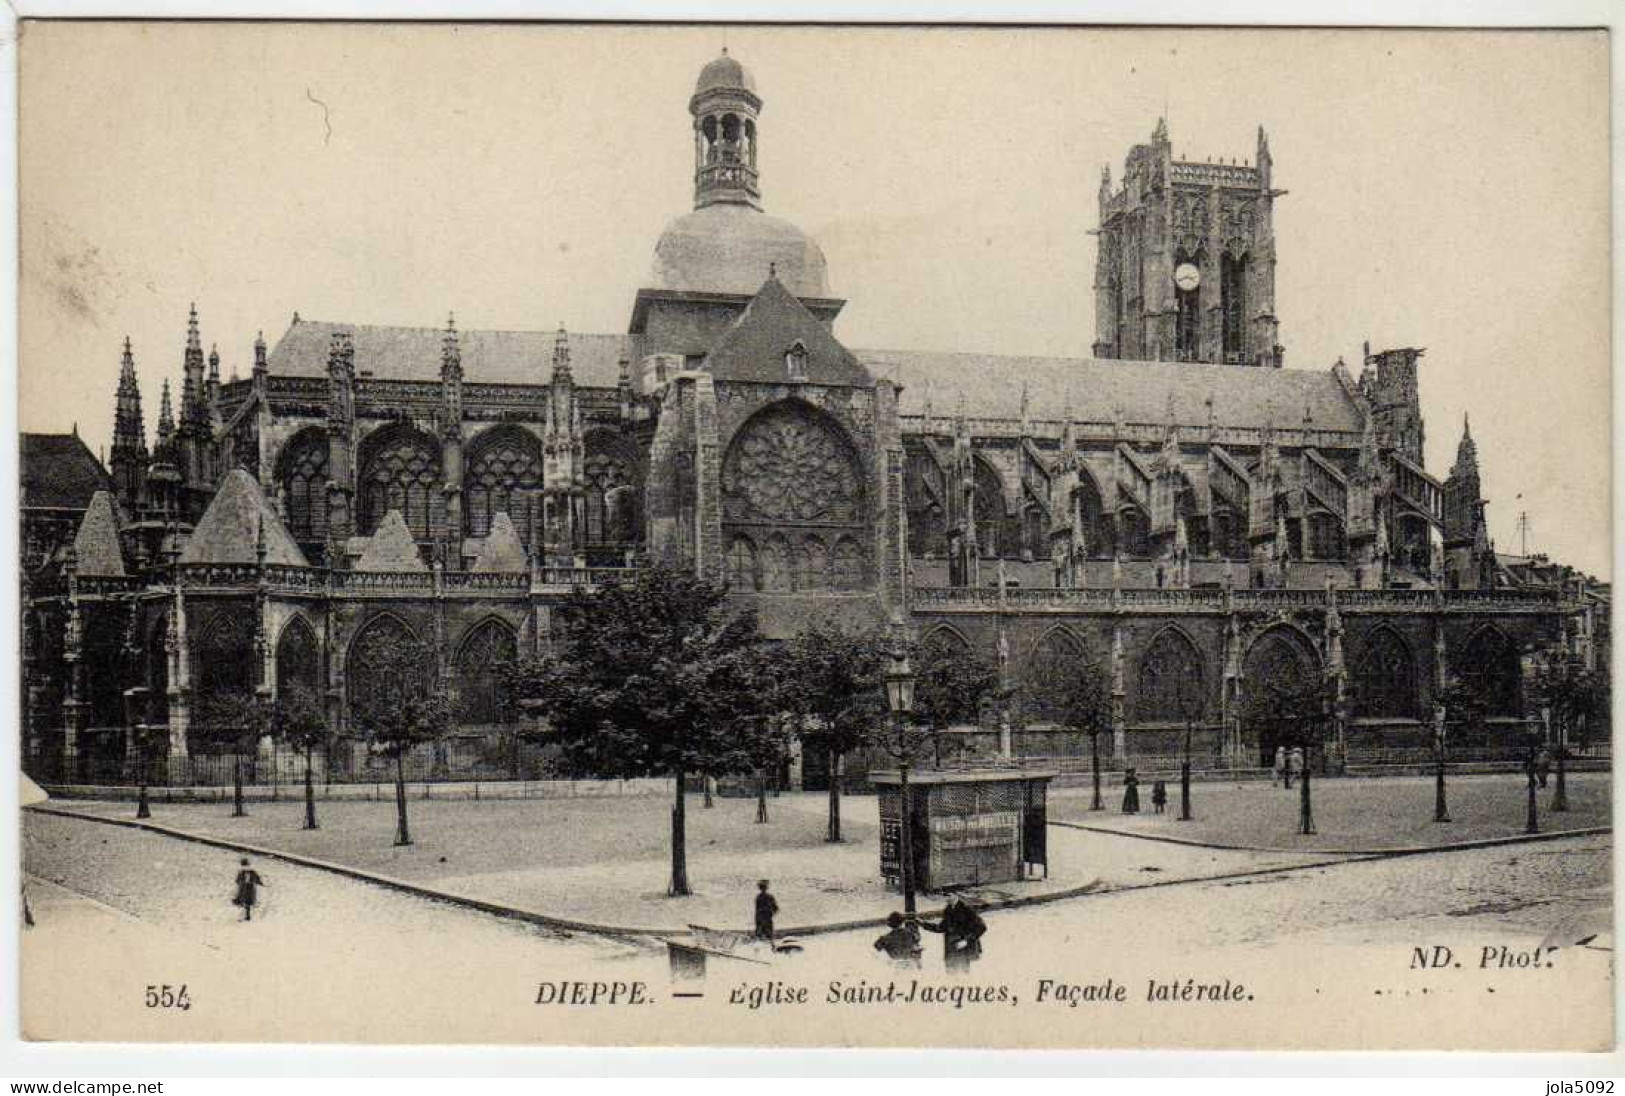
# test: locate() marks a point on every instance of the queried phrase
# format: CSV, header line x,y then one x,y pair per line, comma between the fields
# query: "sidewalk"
x,y
556,863
1388,815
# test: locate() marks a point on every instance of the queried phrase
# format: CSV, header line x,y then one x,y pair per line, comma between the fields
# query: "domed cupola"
x,y
725,107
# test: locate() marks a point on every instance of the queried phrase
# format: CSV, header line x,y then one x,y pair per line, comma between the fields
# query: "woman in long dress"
x,y
1131,793
248,886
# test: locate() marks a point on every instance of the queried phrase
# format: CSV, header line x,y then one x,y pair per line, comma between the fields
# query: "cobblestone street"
x,y
119,909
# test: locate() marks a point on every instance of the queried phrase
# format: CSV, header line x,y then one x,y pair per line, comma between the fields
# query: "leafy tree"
x,y
1576,700
952,682
234,718
654,675
1082,701
400,702
300,719
833,692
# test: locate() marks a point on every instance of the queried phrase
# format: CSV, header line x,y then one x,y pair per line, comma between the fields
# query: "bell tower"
x,y
1185,268
725,107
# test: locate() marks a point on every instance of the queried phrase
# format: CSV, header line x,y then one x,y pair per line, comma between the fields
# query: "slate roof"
x,y
95,545
413,353
60,470
229,529
501,551
754,346
391,548
1243,396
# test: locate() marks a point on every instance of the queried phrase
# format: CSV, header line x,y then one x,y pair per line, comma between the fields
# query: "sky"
x,y
1445,189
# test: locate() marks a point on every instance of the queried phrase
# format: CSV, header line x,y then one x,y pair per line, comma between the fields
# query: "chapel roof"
x,y
95,546
229,530
391,548
1095,388
755,346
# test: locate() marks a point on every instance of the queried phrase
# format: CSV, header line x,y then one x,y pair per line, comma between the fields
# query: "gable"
x,y
759,343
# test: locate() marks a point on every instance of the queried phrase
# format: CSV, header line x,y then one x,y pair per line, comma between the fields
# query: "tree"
x,y
1299,714
1465,709
234,718
1576,701
1082,701
951,684
398,703
650,676
300,719
833,693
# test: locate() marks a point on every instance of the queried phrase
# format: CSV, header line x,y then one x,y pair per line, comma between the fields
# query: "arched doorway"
x,y
1280,680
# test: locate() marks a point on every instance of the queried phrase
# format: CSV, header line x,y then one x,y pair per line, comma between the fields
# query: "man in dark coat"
x,y
766,907
962,931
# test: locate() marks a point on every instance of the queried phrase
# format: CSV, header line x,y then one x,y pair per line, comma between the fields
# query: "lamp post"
x,y
1441,813
1532,813
900,698
138,735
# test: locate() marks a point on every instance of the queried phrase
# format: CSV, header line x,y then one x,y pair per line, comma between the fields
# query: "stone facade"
x,y
1178,512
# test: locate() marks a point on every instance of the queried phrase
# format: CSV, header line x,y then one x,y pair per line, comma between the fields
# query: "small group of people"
x,y
1539,765
962,929
1131,793
1288,764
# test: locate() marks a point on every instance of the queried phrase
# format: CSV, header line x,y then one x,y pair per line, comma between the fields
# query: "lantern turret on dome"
x,y
725,107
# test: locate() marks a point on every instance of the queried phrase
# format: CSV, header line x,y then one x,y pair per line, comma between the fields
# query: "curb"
x,y
1402,850
567,925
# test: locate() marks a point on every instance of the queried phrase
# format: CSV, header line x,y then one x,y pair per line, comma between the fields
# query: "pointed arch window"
x,y
813,574
304,486
401,472
481,695
611,485
1169,685
1233,306
846,564
298,658
1489,664
379,642
1058,657
742,565
778,567
503,475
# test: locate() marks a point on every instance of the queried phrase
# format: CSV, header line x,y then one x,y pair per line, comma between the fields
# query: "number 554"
x,y
167,996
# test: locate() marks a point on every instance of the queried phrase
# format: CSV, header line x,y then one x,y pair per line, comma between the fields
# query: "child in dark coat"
x,y
1159,796
766,907
248,888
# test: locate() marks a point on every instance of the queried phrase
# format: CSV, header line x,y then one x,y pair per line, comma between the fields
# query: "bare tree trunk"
x,y
834,835
310,793
237,810
761,795
679,837
403,836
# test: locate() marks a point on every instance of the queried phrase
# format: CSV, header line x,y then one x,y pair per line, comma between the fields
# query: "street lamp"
x,y
134,700
900,698
1441,812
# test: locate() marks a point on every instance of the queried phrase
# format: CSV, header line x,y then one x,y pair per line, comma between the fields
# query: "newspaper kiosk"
x,y
969,827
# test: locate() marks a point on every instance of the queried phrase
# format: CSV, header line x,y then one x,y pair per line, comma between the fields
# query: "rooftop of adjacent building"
x,y
59,470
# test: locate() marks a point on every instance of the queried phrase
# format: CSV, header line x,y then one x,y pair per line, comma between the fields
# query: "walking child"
x,y
766,907
248,889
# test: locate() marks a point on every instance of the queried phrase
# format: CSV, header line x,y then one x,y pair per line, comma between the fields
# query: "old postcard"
x,y
815,536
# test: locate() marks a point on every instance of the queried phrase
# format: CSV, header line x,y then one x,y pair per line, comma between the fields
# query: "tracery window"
x,y
379,642
1226,538
997,533
298,658
922,492
1326,537
1170,681
611,479
481,696
1385,678
1489,664
1135,532
401,472
792,484
503,475
1058,657
223,657
304,485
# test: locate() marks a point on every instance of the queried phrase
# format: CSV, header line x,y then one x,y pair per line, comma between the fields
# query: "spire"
x,y
166,416
214,363
451,352
1159,135
193,340
261,366
129,429
194,392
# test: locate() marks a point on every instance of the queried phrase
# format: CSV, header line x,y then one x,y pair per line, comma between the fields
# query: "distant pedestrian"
x,y
1543,765
1159,796
1131,793
962,930
766,908
1280,767
900,944
1294,763
28,914
248,890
